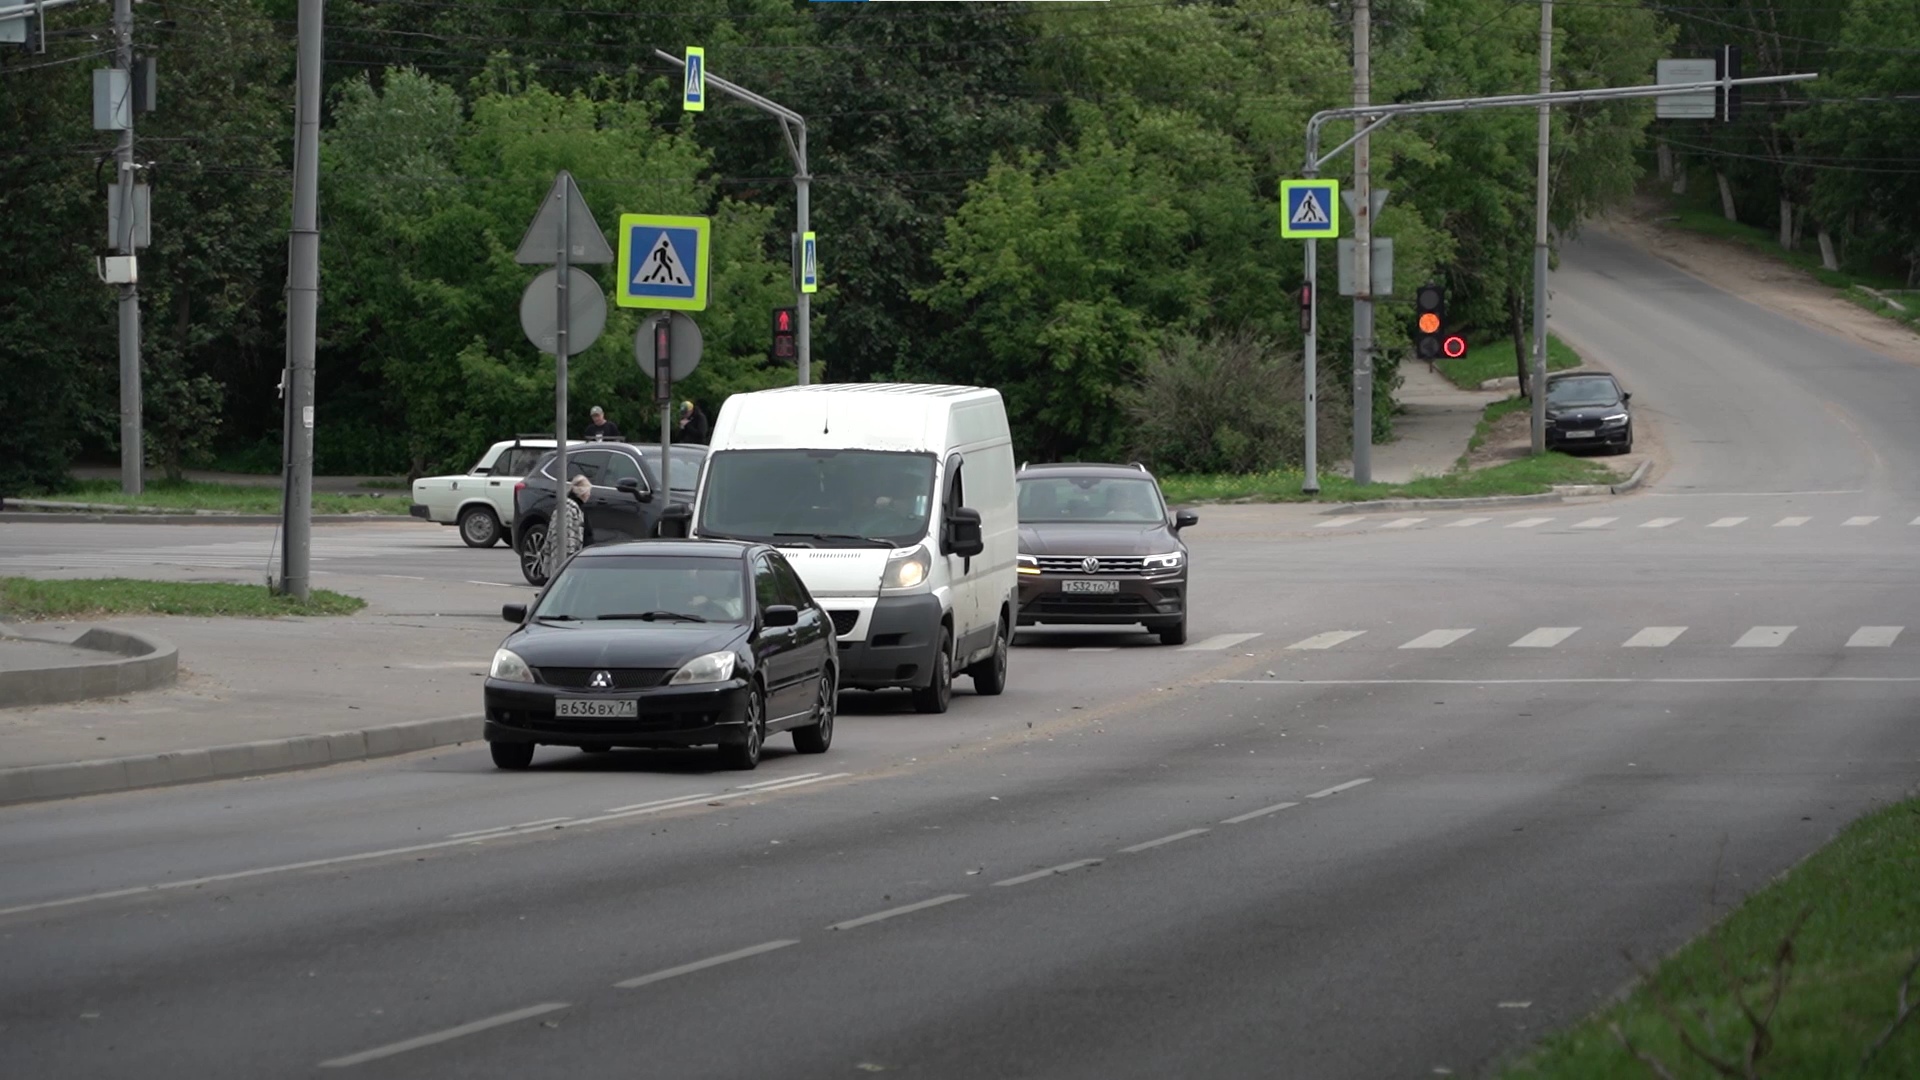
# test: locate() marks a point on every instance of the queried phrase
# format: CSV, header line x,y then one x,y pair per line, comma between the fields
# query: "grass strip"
x,y
1767,243
189,495
1527,476
1494,360
39,598
1852,912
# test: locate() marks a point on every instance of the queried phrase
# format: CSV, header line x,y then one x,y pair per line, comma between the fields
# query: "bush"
x,y
1229,403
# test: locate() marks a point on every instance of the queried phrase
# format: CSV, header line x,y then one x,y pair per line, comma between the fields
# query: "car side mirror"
x,y
964,535
776,615
676,522
1184,518
1626,395
632,487
514,613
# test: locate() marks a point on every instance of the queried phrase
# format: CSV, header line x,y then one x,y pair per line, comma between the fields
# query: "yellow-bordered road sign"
x,y
693,95
1309,208
663,262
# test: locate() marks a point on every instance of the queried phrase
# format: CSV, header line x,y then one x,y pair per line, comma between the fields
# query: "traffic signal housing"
x,y
1429,320
783,331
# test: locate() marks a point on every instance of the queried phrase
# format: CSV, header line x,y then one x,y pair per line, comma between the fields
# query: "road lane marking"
x,y
1338,788
448,1035
1339,521
1162,840
1468,522
1861,520
1092,648
1218,642
1546,637
1874,637
1327,640
891,912
1595,523
799,781
1763,637
1654,637
1063,868
1262,812
1705,680
770,783
657,803
1915,521
504,828
1528,523
1658,523
702,965
1791,522
502,584
1403,523
1725,523
1436,639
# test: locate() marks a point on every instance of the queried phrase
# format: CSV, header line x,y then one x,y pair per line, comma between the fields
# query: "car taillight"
x,y
518,488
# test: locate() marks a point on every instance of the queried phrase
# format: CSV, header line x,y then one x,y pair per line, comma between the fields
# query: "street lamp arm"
x,y
738,91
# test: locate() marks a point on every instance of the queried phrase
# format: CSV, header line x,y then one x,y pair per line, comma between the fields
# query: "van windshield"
x,y
819,498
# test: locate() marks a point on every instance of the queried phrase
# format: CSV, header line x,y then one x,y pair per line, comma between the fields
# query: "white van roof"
x,y
861,416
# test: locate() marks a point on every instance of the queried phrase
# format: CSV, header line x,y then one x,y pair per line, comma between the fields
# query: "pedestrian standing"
x,y
600,427
693,425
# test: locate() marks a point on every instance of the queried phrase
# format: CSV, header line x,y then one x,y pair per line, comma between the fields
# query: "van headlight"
x,y
1172,560
1029,564
508,667
711,668
906,571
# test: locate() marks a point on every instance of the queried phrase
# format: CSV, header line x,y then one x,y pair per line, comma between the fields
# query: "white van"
x,y
896,504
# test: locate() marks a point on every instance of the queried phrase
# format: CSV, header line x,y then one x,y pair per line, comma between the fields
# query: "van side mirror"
x,y
632,487
1184,518
676,521
777,615
514,613
964,536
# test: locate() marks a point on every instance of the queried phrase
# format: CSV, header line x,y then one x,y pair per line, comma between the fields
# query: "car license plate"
x,y
1581,434
598,708
1097,587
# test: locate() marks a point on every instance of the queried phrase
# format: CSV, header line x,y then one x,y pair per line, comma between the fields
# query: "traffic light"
x,y
1429,320
783,329
1306,308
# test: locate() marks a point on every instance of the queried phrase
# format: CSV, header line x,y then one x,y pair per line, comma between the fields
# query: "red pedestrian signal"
x,y
783,330
1454,346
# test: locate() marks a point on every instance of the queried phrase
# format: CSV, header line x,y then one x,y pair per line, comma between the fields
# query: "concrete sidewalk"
x,y
1432,429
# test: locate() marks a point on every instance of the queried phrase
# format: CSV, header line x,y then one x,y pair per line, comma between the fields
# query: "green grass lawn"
x,y
1494,360
1528,476
34,598
1860,901
239,498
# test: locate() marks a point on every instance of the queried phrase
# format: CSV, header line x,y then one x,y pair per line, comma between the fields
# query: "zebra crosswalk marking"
x,y
1335,523
1528,523
1545,637
1726,523
1791,522
1874,637
1864,520
1403,523
1595,523
1654,637
1327,640
1466,522
1658,523
1764,637
1436,639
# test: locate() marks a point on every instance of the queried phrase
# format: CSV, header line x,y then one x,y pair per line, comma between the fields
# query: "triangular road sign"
x,y
1309,212
585,242
662,266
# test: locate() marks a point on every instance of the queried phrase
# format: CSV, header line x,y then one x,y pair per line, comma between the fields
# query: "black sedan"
x,y
662,643
1588,409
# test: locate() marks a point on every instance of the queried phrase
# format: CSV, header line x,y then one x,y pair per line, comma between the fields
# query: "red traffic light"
x,y
783,321
1454,346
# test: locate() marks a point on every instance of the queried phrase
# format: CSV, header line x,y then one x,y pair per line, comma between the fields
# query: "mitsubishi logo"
x,y
1090,565
602,680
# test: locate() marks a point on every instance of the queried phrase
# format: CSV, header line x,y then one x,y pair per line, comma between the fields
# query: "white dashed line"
x,y
892,912
1262,812
1465,523
702,965
1654,637
1436,639
1050,871
1218,642
1595,523
1856,521
1162,840
770,783
1725,523
1791,522
505,828
659,803
1658,523
1546,637
798,781
1327,640
1874,637
1763,637
448,1035
1338,788
1528,523
1339,521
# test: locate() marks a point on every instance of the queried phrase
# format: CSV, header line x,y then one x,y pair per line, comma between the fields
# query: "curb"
x,y
120,516
1443,504
64,780
1639,477
134,661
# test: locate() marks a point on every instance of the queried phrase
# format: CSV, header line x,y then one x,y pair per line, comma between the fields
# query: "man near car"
x,y
600,427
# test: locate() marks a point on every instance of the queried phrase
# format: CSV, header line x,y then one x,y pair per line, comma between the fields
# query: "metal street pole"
x,y
794,127
132,441
557,545
1362,249
303,306
1539,380
1310,368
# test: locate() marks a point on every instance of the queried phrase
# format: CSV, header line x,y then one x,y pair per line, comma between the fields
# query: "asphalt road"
x,y
1420,781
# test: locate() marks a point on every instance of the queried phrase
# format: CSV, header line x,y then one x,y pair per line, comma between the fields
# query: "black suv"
x,y
625,504
1098,547
1588,409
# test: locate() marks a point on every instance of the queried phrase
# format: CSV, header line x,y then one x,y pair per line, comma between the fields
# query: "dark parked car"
x,y
1588,409
666,643
624,506
1097,546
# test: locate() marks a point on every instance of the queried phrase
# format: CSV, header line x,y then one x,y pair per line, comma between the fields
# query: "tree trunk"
x,y
1665,153
1827,258
1516,312
1726,197
1786,223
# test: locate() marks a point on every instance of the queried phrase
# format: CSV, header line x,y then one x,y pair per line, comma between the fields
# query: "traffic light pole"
x,y
1538,390
1371,117
794,127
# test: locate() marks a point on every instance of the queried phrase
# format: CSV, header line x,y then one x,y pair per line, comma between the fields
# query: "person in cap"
x,y
600,427
693,425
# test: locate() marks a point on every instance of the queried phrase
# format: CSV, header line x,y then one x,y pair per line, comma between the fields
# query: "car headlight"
x,y
1029,564
1170,561
711,668
508,667
1615,420
906,571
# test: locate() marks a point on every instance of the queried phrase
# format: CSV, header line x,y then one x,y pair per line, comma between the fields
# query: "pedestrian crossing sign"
x,y
663,262
1309,208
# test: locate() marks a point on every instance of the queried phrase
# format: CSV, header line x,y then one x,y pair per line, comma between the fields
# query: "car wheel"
x,y
478,527
1175,634
511,755
533,553
816,737
990,675
938,694
746,755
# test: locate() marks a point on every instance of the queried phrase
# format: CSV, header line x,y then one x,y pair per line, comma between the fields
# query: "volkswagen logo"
x,y
602,680
1090,565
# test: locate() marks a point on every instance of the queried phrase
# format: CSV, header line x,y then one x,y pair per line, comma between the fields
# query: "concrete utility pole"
x,y
132,441
303,307
1362,248
1539,380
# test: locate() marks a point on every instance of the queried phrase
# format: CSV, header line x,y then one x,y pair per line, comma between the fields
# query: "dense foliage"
x,y
1074,203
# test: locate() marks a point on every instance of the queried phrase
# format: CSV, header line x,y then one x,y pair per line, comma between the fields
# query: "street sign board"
x,y
1380,268
809,265
663,262
683,346
1309,208
1700,106
693,94
540,311
585,242
1378,200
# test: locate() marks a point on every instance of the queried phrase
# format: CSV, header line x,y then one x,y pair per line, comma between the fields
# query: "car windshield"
x,y
1575,393
821,498
1112,499
627,587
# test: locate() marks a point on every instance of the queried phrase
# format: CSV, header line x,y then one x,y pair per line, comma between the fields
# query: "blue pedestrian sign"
x,y
1309,208
694,94
663,262
809,265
